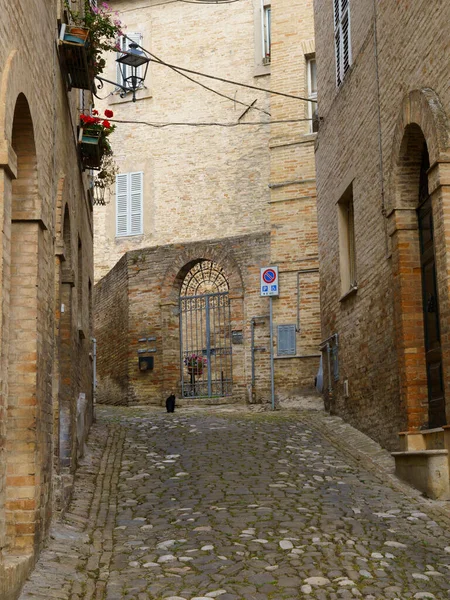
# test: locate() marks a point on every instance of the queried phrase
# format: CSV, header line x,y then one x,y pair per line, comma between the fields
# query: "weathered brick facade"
x,y
213,187
292,206
46,218
392,104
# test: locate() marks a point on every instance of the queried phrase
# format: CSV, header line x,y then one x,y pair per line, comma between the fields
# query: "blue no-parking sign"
x,y
269,281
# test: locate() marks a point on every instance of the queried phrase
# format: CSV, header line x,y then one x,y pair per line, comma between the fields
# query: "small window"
x,y
266,32
347,242
124,45
342,40
129,200
286,340
311,80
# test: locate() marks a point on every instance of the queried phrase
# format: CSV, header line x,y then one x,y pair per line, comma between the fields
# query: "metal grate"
x,y
205,334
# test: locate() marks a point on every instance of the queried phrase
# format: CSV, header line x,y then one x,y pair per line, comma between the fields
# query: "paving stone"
x,y
248,507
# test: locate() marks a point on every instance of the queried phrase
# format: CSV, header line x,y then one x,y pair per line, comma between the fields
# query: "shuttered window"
x,y
124,44
129,209
342,40
286,340
266,30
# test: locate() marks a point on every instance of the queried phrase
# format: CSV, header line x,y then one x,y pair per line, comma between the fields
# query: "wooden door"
x,y
436,398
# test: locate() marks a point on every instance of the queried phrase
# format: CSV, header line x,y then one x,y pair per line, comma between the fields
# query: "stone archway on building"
x,y
420,263
189,274
206,360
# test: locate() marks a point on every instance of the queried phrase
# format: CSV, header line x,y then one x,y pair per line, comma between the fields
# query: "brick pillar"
x,y
238,357
170,333
409,326
23,475
5,219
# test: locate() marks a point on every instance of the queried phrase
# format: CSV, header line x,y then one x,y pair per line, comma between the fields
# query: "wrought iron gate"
x,y
206,351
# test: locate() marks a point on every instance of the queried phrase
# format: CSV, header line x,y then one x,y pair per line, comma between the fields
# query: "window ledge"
x,y
285,356
262,70
351,292
309,137
128,235
140,95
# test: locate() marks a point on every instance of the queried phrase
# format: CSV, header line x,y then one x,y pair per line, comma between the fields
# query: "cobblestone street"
x,y
237,505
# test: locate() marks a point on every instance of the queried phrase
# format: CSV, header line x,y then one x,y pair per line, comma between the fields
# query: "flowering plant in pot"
x,y
105,28
195,363
104,179
93,138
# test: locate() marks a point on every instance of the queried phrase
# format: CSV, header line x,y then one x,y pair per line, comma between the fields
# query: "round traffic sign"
x,y
269,275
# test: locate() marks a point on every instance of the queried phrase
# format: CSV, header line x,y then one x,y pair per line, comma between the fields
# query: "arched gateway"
x,y
205,333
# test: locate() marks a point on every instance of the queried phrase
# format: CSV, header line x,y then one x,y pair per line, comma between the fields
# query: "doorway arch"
x,y
419,259
205,332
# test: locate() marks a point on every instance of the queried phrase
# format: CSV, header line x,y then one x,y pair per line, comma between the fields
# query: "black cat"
x,y
170,403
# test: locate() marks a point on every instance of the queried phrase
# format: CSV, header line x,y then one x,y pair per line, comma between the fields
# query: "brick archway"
x,y
422,123
170,293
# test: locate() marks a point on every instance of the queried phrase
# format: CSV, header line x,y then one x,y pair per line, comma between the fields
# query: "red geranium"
x,y
109,113
106,124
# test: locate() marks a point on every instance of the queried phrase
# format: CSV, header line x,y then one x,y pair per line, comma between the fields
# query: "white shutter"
x,y
122,204
136,203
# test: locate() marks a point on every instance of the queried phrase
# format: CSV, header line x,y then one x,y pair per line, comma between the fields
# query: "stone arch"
x,y
176,273
188,257
421,116
422,126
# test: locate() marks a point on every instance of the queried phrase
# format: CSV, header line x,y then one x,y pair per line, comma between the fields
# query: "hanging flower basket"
x,y
93,139
74,51
91,148
94,30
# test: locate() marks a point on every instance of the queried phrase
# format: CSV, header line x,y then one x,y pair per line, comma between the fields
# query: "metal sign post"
x,y
269,287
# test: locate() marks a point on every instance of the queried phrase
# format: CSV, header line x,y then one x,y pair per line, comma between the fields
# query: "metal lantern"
x,y
98,193
133,66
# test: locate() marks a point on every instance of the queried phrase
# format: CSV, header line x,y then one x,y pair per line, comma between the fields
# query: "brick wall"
x,y
293,194
40,181
379,344
111,327
199,183
154,277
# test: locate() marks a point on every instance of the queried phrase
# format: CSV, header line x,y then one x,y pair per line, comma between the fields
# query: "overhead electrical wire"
x,y
211,124
246,85
176,70
159,61
216,2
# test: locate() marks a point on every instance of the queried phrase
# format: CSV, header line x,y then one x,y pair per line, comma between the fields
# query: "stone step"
x,y
199,402
426,439
426,470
